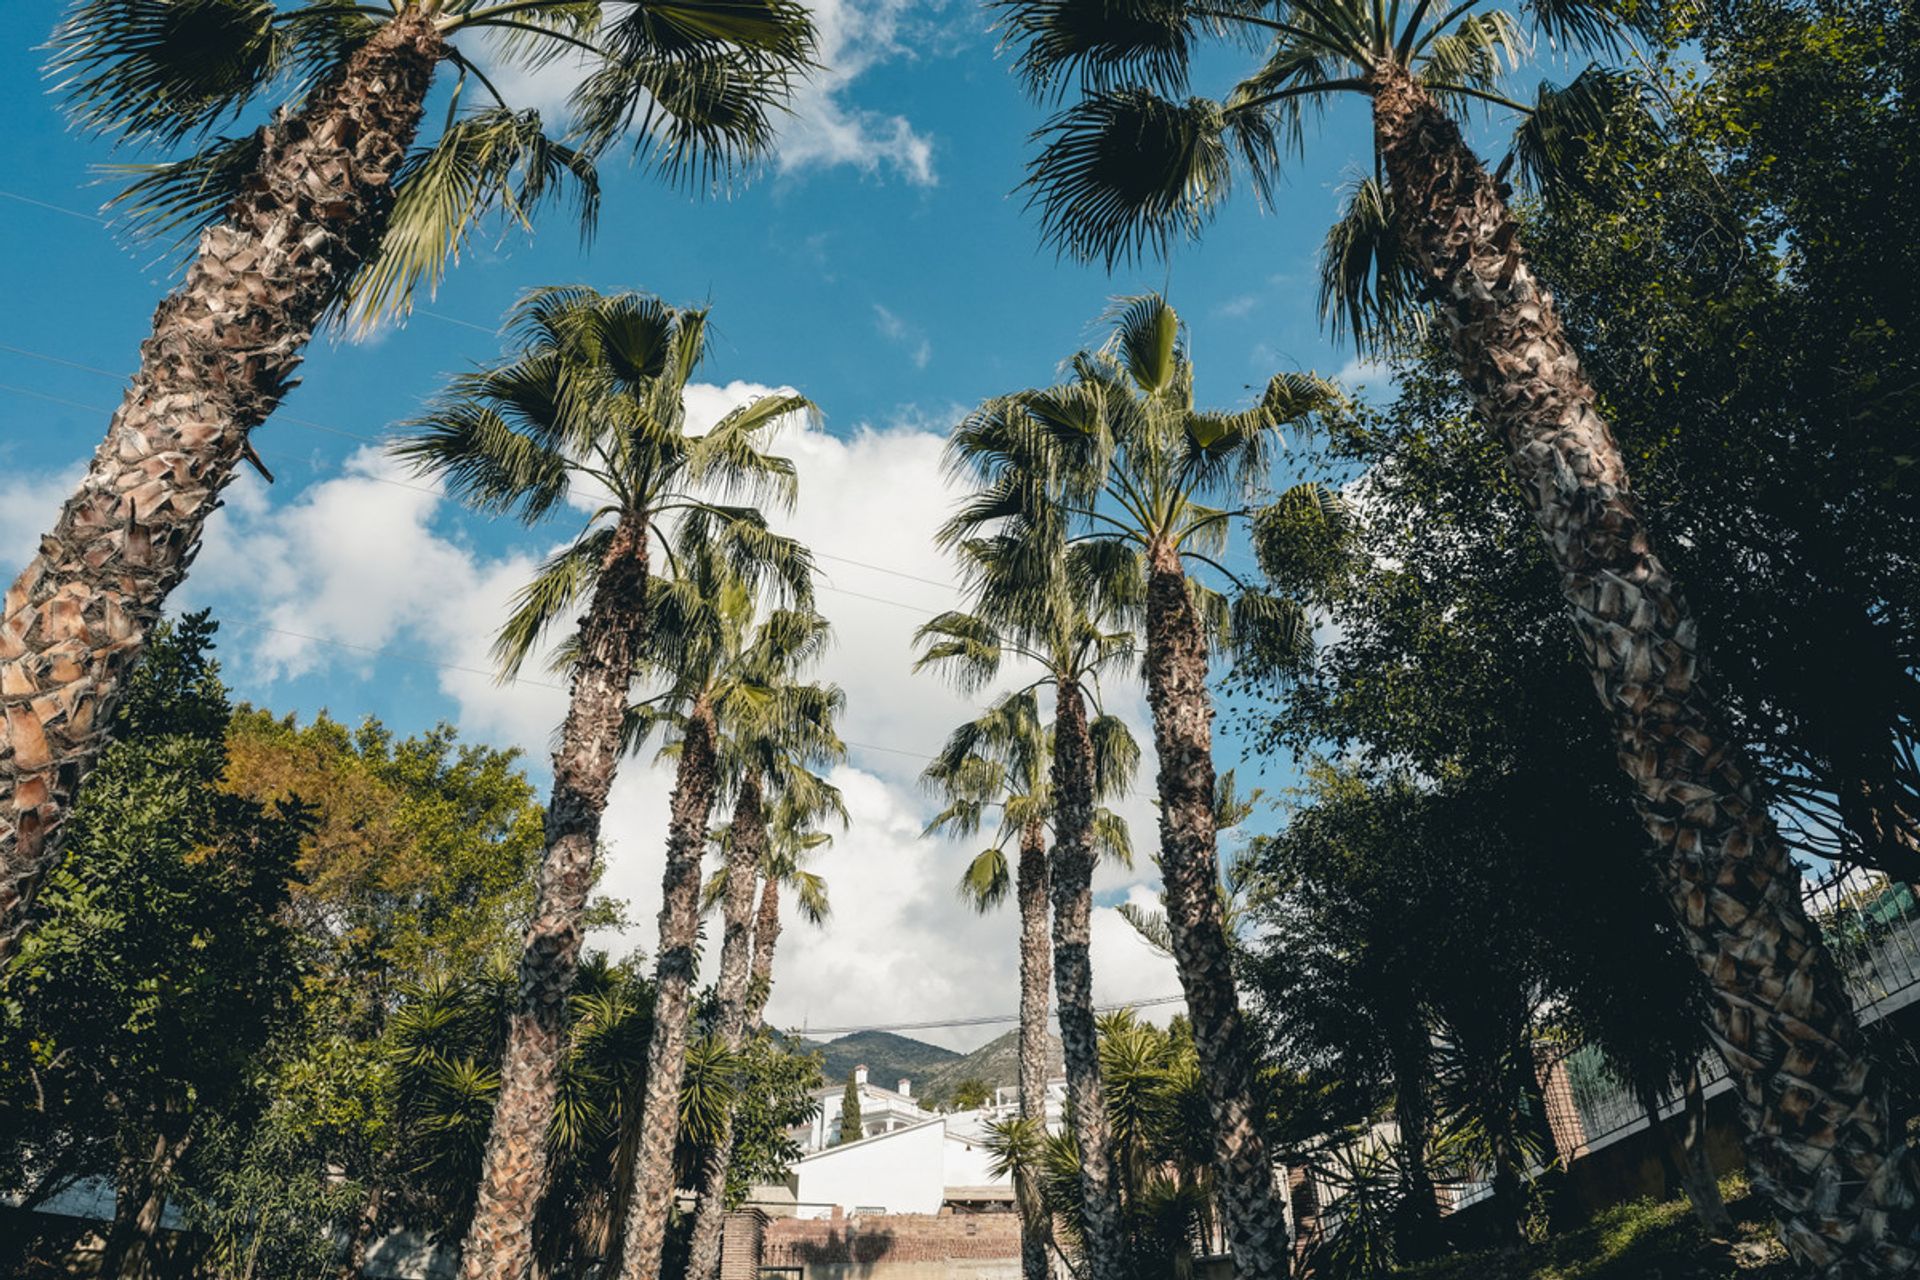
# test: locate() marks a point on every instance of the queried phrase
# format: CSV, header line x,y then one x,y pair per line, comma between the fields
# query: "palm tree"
x,y
791,838
591,396
1030,605
1000,760
335,206
1126,168
776,752
1133,467
734,714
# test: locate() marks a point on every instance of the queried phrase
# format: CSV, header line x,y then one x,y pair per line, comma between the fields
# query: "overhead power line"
x,y
983,1021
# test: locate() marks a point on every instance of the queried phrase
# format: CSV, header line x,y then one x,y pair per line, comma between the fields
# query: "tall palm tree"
x,y
592,395
336,204
1000,760
1031,605
1134,469
777,753
733,713
791,837
1127,167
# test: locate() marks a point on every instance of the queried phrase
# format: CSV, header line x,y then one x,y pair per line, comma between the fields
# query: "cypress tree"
x,y
850,1112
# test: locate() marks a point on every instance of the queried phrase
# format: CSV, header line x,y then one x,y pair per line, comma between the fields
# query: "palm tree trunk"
x,y
223,352
1823,1145
514,1171
745,853
1183,738
766,936
1412,1051
1073,982
652,1197
1036,972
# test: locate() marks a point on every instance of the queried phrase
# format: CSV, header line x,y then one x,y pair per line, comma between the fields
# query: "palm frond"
x,y
163,70
561,583
1124,172
1552,143
493,467
987,879
178,199
491,161
965,647
1369,286
1099,44
1272,634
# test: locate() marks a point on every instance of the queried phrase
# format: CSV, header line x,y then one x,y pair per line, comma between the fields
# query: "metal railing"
x,y
1871,926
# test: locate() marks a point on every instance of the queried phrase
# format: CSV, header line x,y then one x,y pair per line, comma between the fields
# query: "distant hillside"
x,y
997,1063
887,1056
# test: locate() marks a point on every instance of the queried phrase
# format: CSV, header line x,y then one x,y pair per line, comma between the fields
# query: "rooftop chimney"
x,y
860,1074
906,1087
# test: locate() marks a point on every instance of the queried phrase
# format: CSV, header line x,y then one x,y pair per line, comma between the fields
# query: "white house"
x,y
881,1111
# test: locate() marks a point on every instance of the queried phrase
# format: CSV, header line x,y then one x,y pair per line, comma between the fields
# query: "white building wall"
x,y
899,1172
966,1163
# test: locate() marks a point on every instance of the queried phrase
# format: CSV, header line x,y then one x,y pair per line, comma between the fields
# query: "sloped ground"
x,y
1637,1241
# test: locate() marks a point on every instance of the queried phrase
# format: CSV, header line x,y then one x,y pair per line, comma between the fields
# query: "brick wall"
x,y
740,1244
895,1238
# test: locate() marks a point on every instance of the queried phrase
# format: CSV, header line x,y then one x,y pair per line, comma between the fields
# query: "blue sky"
x,y
882,264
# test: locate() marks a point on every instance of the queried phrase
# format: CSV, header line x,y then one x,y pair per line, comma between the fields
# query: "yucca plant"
x,y
1000,761
336,198
1137,161
591,397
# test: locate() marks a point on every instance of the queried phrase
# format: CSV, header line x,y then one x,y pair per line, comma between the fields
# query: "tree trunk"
x,y
514,1171
364,1225
1251,1208
139,1203
1696,1172
1413,1115
652,1196
766,936
223,352
1036,972
1072,889
1822,1144
745,853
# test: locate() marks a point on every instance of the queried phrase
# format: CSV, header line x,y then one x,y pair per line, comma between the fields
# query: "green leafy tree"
x,y
159,964
592,394
336,196
1127,166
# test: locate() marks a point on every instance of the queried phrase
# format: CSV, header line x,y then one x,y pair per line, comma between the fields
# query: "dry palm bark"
x,y
745,852
766,936
1036,973
1822,1145
514,1171
1250,1207
223,352
1073,777
652,1196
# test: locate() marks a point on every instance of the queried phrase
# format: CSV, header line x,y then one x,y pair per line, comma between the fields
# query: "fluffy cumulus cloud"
x,y
826,125
372,559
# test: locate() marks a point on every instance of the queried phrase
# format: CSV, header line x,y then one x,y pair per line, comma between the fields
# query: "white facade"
x,y
882,1111
903,1171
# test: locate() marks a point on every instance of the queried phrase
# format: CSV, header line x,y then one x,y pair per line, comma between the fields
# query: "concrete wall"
x,y
901,1172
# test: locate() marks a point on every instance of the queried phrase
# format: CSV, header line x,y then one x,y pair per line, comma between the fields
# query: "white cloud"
x,y
901,334
1366,374
29,504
